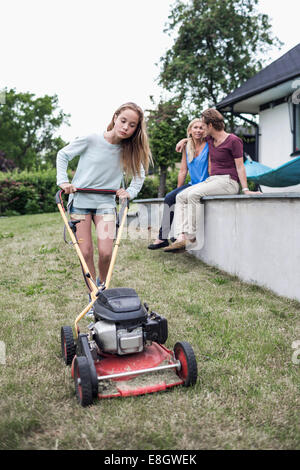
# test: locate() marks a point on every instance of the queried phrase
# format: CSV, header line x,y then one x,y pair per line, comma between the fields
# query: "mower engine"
x,y
123,325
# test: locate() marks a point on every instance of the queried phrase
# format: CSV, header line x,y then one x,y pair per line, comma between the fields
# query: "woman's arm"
x,y
240,167
182,171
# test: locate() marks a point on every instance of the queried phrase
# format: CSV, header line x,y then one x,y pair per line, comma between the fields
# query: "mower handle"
x,y
58,198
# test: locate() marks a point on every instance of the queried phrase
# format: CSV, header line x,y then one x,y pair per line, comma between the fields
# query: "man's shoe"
x,y
157,246
176,246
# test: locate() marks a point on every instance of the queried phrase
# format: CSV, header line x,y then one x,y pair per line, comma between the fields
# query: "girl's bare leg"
x,y
84,235
105,228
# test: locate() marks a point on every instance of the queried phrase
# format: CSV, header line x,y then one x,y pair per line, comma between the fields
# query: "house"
x,y
274,96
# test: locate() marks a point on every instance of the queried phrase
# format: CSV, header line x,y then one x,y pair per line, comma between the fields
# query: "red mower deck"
x,y
152,370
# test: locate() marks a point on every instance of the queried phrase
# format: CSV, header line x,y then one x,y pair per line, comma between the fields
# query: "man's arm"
x,y
240,167
181,145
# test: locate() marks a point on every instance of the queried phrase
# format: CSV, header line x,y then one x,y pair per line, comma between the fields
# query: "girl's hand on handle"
x,y
68,188
123,194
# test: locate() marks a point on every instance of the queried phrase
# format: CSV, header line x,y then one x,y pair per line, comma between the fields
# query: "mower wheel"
x,y
83,383
68,347
184,353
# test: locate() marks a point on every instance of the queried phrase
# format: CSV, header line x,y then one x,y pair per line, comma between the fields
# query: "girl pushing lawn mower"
x,y
123,353
103,158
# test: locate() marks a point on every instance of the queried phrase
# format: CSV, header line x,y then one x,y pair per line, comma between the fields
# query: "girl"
x,y
103,158
195,161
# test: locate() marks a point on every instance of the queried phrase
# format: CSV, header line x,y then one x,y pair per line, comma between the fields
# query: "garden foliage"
x,y
33,192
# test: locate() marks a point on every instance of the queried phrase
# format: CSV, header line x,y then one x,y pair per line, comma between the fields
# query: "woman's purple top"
x,y
222,157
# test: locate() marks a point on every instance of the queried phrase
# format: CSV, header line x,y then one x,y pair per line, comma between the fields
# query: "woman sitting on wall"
x,y
195,161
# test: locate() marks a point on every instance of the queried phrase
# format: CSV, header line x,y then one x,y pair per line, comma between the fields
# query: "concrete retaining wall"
x,y
255,238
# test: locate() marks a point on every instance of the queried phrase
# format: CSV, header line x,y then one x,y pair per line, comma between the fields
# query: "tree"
x,y
28,126
6,164
166,124
218,45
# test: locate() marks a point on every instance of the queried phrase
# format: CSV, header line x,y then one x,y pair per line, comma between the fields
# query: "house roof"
x,y
274,76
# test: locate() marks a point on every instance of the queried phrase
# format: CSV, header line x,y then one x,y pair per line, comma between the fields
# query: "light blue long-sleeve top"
x,y
99,167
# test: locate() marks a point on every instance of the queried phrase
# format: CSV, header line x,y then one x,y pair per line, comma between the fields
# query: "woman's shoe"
x,y
156,246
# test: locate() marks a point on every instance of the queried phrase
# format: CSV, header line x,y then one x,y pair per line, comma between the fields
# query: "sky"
x,y
96,55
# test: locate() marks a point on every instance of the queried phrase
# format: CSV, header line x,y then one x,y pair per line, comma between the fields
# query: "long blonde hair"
x,y
135,150
190,146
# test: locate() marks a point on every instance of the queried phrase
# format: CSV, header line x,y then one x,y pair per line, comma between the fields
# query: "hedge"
x,y
27,192
32,192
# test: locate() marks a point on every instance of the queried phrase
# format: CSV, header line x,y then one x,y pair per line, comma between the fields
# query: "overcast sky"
x,y
96,54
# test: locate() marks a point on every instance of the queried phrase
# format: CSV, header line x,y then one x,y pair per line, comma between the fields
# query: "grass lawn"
x,y
247,393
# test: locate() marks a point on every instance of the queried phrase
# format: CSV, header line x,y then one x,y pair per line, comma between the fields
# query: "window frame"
x,y
295,108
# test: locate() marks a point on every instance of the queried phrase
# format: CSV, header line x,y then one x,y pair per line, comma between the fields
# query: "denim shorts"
x,y
79,213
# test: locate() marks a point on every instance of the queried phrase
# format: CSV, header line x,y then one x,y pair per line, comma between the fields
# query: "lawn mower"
x,y
123,353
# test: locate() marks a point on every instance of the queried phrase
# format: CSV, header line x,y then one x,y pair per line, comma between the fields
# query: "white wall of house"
x,y
276,141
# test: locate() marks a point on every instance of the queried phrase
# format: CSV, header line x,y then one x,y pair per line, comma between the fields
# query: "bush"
x,y
151,184
150,188
33,192
27,192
